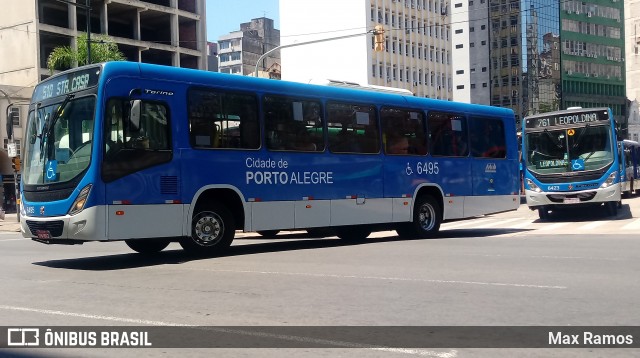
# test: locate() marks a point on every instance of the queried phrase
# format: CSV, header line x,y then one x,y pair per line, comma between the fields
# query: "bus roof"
x,y
206,78
568,110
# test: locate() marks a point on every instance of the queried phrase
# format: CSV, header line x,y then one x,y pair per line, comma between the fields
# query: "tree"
x,y
102,49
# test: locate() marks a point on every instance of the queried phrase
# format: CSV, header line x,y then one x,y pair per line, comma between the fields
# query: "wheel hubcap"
x,y
208,229
426,217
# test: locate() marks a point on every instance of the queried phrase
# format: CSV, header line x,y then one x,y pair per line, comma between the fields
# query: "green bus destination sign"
x,y
559,119
69,83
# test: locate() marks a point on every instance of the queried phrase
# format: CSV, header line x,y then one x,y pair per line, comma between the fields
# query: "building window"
x,y
459,72
460,87
459,46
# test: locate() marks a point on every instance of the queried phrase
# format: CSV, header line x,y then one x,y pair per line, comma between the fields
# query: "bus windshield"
x,y
58,140
553,151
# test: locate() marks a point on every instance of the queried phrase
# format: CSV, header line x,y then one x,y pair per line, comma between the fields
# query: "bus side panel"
x,y
403,174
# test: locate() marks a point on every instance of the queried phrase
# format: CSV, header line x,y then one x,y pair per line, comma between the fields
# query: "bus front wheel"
x,y
427,217
212,229
147,246
543,213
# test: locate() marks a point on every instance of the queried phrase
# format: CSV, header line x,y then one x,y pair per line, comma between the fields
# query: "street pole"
x,y
88,5
306,43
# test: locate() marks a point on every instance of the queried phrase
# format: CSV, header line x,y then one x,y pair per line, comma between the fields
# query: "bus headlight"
x,y
533,186
78,204
610,180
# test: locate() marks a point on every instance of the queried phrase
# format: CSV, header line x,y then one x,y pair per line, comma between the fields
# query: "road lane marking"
x,y
496,223
455,225
550,257
321,275
334,343
635,224
591,225
552,226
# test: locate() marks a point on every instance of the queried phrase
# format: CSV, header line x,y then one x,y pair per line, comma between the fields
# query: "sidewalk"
x,y
10,223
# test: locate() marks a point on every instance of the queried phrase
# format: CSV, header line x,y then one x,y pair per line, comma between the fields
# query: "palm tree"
x,y
102,49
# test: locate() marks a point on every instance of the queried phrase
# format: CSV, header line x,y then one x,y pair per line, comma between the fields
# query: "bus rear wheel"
x,y
147,246
212,230
427,216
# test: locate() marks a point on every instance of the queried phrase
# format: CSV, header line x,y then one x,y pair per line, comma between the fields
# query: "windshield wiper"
x,y
555,141
50,124
575,143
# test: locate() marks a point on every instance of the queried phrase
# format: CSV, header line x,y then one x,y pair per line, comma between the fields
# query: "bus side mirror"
x,y
134,114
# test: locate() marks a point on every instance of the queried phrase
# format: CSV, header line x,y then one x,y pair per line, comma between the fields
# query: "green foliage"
x,y
102,49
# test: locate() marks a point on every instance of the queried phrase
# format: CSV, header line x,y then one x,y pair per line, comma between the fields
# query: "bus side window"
x,y
293,124
487,137
223,120
400,123
352,128
448,134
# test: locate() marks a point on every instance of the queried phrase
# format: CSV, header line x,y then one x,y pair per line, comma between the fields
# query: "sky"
x,y
225,16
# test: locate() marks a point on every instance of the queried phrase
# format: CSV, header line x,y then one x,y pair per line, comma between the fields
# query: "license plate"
x,y
43,234
571,200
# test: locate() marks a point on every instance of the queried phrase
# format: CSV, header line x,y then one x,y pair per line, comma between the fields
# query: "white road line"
x,y
521,225
456,225
337,344
635,224
20,239
591,225
499,223
377,278
553,226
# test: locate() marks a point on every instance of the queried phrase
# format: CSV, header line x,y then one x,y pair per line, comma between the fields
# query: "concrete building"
x,y
543,55
632,63
167,32
239,51
212,56
14,101
417,55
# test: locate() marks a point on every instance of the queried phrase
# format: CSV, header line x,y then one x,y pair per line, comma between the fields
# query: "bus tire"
x,y
268,233
543,213
427,216
212,230
612,208
353,233
147,246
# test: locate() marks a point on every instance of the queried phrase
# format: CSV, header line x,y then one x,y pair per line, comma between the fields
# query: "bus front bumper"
x,y
87,225
573,198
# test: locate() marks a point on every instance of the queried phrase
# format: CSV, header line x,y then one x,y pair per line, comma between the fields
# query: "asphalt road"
x,y
578,269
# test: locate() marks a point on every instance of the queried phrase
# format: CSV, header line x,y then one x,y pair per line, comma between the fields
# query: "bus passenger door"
x,y
495,178
142,190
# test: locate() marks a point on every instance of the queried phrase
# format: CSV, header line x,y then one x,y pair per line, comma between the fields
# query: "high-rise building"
x,y
543,55
164,32
632,63
417,49
239,51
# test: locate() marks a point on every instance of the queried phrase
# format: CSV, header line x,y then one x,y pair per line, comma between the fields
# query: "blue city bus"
x,y
570,158
152,154
629,151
